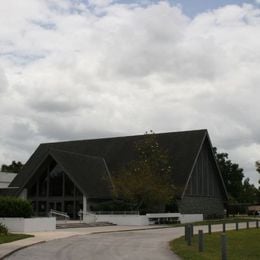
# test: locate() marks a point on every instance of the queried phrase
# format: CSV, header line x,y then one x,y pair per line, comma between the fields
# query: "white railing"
x,y
59,213
117,213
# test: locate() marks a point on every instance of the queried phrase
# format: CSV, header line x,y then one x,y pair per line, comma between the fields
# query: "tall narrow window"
x,y
56,181
43,185
69,186
32,191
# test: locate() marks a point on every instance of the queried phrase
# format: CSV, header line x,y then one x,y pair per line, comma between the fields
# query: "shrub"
x,y
15,207
3,229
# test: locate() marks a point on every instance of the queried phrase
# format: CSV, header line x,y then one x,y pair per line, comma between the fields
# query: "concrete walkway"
x,y
135,245
41,237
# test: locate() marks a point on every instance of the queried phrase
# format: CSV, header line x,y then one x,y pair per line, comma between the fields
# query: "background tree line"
x,y
239,188
13,167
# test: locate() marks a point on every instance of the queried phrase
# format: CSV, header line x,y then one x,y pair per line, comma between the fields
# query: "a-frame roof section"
x,y
206,141
182,148
89,173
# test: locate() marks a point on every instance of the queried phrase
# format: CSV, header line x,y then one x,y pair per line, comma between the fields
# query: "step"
x,y
83,225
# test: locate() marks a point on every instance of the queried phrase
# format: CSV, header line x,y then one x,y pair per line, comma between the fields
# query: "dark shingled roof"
x,y
113,153
92,176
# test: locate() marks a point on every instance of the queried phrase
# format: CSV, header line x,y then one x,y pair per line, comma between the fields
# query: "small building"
x,y
6,178
73,175
254,210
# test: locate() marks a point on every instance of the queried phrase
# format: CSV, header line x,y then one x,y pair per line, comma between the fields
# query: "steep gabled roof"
x,y
206,141
182,147
88,172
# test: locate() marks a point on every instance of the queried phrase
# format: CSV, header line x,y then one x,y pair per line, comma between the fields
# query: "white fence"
x,y
26,225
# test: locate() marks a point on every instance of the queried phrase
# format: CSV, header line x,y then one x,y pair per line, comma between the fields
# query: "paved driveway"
x,y
134,245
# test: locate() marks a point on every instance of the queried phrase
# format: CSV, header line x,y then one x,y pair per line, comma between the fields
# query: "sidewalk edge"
x,y
20,248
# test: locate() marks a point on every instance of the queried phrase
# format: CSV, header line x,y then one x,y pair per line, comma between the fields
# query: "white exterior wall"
x,y
125,220
27,225
137,220
188,218
89,218
163,215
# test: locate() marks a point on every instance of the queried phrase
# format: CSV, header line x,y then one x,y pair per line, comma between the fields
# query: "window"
x,y
43,185
69,186
56,181
32,191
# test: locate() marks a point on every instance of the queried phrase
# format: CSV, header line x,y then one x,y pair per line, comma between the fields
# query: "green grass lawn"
x,y
242,244
12,237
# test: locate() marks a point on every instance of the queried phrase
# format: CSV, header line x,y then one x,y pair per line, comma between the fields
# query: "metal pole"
x,y
224,227
186,232
257,223
247,224
236,226
189,235
201,241
192,229
223,247
209,227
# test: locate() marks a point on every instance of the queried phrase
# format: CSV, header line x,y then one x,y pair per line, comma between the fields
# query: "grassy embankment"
x,y
242,244
12,237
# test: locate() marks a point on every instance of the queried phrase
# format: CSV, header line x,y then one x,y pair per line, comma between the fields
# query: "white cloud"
x,y
100,3
76,72
3,81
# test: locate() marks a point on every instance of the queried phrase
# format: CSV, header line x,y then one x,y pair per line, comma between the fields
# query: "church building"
x,y
73,175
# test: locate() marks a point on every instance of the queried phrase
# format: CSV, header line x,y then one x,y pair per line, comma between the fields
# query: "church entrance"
x,y
52,188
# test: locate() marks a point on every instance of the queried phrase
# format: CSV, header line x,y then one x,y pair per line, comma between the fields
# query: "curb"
x,y
127,230
20,248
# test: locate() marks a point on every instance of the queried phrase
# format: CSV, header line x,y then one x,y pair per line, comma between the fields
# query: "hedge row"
x,y
15,207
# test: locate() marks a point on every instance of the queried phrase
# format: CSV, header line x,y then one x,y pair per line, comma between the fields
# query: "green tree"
x,y
13,167
147,181
232,175
249,193
257,164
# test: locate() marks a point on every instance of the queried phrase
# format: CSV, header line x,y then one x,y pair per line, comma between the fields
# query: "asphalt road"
x,y
134,245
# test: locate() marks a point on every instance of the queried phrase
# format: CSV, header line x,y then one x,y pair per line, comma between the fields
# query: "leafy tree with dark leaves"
x,y
232,175
249,193
13,167
146,182
257,164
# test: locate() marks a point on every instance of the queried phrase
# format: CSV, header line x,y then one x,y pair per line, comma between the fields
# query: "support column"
x,y
37,197
63,193
85,205
48,190
87,218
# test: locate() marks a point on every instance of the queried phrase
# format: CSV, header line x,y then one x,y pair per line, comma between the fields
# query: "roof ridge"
x,y
81,154
125,136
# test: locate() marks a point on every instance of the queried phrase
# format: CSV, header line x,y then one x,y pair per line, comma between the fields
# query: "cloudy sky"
x,y
78,69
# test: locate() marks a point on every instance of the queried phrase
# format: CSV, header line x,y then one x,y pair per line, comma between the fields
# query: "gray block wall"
x,y
208,206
